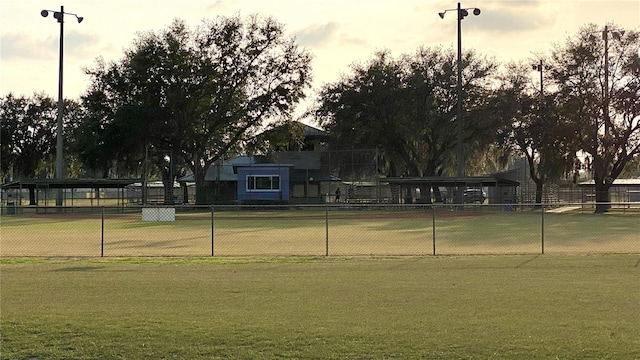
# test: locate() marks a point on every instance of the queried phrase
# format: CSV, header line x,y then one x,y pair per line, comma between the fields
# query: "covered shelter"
x,y
312,186
431,189
75,192
621,190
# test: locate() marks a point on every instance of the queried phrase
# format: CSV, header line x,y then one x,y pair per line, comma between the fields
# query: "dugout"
x,y
75,192
432,189
621,190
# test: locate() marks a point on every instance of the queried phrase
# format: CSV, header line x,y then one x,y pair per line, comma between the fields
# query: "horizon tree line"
x,y
209,92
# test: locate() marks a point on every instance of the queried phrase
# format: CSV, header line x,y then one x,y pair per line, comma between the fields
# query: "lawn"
x,y
316,232
442,307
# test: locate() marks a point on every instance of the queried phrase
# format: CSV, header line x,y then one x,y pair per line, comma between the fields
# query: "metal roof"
x,y
616,182
301,175
224,171
69,183
312,132
258,166
452,181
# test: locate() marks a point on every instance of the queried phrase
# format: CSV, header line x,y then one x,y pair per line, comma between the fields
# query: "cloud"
x,y
21,47
220,5
518,16
79,44
317,35
327,35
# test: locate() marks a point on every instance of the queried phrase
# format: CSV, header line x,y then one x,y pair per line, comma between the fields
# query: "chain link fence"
x,y
318,230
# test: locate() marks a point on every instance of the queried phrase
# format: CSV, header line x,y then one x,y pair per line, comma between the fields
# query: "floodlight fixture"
x,y
540,67
59,15
462,12
616,33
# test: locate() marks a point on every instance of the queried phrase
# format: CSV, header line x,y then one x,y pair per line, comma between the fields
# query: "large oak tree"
x,y
198,93
599,91
532,126
406,109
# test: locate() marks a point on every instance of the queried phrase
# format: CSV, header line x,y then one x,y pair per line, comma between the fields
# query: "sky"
x,y
337,33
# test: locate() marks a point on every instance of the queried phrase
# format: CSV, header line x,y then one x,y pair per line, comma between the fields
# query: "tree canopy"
x,y
28,134
199,93
598,89
532,126
406,108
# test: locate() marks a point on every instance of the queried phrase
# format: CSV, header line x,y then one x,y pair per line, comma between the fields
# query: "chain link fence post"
x,y
102,235
542,229
212,233
326,230
433,228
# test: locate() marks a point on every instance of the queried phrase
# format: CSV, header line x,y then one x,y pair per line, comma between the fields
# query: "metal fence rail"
x,y
318,230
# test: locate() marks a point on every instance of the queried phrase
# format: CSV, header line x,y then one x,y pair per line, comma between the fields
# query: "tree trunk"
x,y
425,194
167,182
536,178
437,194
603,198
539,185
202,197
185,192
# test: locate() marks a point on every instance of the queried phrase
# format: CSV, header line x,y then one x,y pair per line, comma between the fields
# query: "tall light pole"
x,y
539,67
617,34
462,13
600,171
59,15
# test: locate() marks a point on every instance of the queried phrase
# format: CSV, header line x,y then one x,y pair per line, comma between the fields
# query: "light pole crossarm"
x,y
462,12
59,15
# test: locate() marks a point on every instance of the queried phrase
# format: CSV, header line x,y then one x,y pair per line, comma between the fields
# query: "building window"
x,y
263,183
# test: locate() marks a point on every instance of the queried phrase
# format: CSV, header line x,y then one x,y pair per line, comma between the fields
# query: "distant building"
x,y
263,183
293,174
621,190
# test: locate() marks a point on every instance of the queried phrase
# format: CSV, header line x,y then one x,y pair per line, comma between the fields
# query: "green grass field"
x,y
443,307
316,232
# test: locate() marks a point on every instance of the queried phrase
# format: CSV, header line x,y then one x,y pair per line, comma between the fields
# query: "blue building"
x,y
263,182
